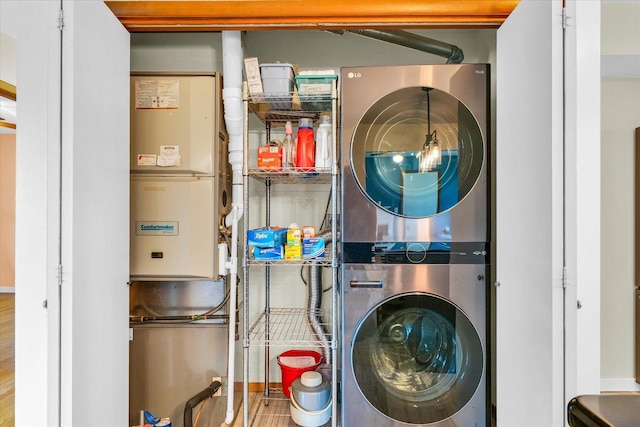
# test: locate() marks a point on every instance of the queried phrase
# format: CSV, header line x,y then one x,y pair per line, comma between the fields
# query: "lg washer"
x,y
414,245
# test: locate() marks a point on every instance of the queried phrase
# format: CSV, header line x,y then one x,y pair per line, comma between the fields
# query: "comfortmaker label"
x,y
156,228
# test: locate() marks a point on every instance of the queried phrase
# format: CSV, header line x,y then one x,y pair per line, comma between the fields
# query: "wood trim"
x,y
255,387
637,214
637,252
7,209
189,15
7,90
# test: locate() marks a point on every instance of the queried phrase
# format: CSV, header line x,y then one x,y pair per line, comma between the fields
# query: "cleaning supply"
x,y
324,144
288,148
270,155
305,144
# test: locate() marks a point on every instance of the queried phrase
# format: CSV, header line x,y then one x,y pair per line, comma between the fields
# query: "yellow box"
x,y
292,253
294,237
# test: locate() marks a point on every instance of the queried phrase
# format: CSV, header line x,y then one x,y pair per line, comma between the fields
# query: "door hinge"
x,y
60,275
564,277
60,19
564,18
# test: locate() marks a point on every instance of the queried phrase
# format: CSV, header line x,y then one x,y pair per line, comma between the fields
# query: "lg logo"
x,y
353,75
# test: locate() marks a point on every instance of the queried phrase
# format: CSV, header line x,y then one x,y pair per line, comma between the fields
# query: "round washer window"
x,y
417,358
417,152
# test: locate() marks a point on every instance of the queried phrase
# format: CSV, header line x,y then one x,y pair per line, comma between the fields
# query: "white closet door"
x,y
95,182
529,194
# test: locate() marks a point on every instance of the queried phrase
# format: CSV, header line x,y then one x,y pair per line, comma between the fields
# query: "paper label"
x,y
169,150
157,94
146,159
169,160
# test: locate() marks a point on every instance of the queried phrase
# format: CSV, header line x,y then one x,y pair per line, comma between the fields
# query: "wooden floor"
x,y
7,359
276,414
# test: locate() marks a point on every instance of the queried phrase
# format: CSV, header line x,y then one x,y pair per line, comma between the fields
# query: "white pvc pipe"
x,y
232,63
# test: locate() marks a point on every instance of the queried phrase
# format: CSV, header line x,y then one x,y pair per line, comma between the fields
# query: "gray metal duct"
x,y
453,53
314,302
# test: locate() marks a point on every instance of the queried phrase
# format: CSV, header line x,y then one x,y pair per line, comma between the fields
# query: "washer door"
x,y
417,152
417,358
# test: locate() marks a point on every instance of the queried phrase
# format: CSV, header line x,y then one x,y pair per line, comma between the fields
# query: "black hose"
x,y
195,400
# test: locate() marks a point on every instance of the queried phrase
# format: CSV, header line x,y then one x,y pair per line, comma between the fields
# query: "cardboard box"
x,y
313,248
252,71
268,254
293,253
270,157
308,231
266,237
294,237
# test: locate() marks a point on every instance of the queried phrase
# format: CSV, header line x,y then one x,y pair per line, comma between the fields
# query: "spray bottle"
x,y
289,148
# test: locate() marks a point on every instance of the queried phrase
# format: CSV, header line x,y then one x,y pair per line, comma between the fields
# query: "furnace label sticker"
x,y
156,228
169,156
157,94
146,159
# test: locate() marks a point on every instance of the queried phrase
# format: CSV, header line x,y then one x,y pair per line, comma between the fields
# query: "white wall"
x,y
8,59
620,92
620,117
36,381
8,34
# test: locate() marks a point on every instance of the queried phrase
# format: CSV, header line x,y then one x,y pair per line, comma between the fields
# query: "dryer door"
x,y
417,152
417,358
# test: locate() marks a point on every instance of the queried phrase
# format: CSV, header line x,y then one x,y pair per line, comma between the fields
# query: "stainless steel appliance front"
x,y
414,153
414,345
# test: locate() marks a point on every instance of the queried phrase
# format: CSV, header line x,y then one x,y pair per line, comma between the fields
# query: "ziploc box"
x,y
266,237
268,254
313,248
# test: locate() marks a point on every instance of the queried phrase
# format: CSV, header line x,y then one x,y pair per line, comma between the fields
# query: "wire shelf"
x,y
288,326
279,108
291,176
327,261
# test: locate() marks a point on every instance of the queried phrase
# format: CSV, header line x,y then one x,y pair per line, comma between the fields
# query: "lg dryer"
x,y
415,241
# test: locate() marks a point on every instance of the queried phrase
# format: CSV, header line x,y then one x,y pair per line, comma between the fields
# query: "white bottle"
x,y
288,148
324,144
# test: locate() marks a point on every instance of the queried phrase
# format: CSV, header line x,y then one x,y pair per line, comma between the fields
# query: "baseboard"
x,y
619,384
7,290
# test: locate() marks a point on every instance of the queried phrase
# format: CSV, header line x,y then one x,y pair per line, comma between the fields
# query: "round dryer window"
x,y
417,152
417,358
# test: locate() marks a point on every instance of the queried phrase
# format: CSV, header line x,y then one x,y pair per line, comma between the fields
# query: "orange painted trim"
x,y
188,15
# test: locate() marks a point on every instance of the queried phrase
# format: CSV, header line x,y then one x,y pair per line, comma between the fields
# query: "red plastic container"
x,y
293,363
305,145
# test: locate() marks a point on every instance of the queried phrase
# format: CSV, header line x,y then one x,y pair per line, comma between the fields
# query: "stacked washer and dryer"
x,y
415,245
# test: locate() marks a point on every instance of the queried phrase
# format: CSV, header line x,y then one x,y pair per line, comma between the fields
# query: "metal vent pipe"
x,y
453,53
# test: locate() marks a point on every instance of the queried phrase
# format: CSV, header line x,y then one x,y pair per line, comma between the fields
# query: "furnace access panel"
x,y
173,228
176,124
